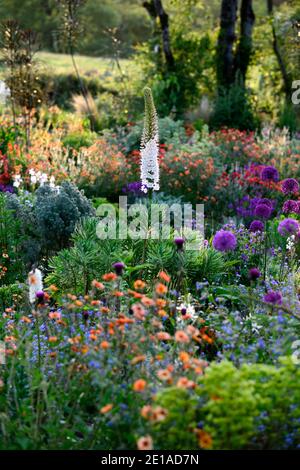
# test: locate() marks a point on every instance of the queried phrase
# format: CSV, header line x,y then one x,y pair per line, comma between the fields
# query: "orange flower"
x,y
54,316
109,277
97,284
104,345
26,319
184,356
184,382
139,285
164,375
146,411
161,289
138,311
164,276
105,409
52,339
161,303
159,414
145,443
162,313
138,359
204,439
53,288
139,385
163,336
78,303
147,302
104,310
181,337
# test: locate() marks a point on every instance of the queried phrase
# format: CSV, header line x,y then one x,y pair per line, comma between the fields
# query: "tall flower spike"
x,y
35,281
150,146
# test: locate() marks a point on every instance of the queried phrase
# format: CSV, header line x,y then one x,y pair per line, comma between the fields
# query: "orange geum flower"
x,y
139,285
161,303
162,313
118,293
53,288
181,337
25,319
161,289
104,310
204,439
164,375
164,276
163,336
138,359
146,411
52,339
147,301
78,303
139,385
184,382
104,345
109,277
184,356
105,409
159,414
95,302
97,284
54,316
145,443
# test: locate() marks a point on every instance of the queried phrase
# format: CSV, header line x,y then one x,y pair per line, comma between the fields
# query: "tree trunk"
x,y
226,40
287,82
244,49
156,10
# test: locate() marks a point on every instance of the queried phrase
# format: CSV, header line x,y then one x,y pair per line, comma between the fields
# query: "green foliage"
x,y
233,109
252,407
76,140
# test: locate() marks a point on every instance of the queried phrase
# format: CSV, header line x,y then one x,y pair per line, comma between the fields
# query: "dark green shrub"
x,y
233,109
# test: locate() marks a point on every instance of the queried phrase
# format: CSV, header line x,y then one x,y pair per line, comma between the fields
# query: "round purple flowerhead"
x,y
263,211
290,206
290,186
224,241
273,297
179,242
269,173
288,227
118,267
40,295
256,226
254,273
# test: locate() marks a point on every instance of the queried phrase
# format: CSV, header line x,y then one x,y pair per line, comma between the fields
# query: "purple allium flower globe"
x,y
269,173
40,295
254,274
263,211
288,227
224,240
119,267
256,226
273,297
179,242
290,206
290,186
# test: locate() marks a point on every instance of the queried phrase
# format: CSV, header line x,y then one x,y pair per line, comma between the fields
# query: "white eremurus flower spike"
x,y
150,146
35,281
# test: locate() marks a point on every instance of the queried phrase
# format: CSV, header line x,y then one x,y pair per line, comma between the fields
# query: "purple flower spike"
x,y
224,241
273,297
119,267
288,227
290,186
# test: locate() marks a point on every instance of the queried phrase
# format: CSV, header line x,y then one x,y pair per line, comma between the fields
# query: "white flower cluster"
x,y
4,92
35,281
290,243
35,178
149,165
